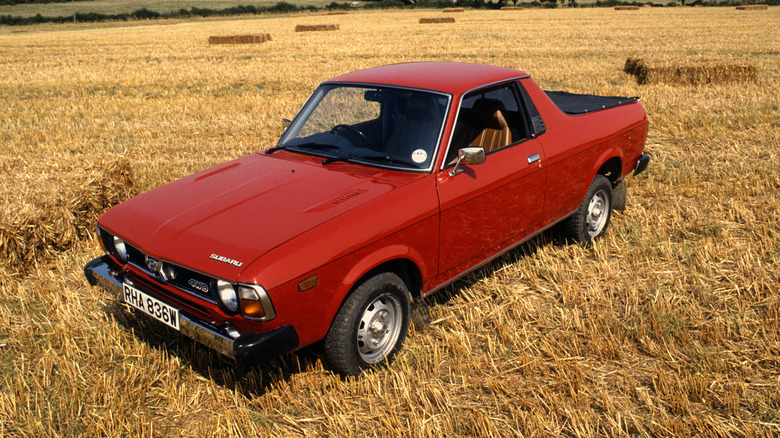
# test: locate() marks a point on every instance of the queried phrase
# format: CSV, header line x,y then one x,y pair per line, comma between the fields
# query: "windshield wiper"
x,y
370,158
390,159
336,159
308,145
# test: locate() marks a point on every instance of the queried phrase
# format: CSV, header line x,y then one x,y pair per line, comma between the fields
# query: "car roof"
x,y
449,77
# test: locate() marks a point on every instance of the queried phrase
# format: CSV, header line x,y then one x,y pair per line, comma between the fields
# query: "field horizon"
x,y
668,326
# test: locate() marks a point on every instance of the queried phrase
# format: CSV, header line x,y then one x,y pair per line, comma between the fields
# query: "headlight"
x,y
121,249
227,294
255,302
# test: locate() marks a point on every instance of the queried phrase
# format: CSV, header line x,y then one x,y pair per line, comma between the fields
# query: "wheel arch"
x,y
404,268
611,169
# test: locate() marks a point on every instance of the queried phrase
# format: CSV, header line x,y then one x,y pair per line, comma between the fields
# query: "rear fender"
x,y
610,153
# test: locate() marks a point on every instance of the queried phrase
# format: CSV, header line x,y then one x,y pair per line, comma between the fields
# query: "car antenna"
x,y
325,75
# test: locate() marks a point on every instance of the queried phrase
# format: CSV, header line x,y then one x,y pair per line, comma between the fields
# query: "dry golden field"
x,y
669,326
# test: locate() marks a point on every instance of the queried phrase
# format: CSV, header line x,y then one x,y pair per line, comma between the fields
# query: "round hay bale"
x,y
437,20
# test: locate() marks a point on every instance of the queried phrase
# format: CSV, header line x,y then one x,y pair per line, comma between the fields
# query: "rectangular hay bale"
x,y
316,27
437,20
448,10
689,71
51,205
240,39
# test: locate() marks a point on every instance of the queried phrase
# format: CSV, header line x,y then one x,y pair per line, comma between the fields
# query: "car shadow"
x,y
206,362
515,255
256,380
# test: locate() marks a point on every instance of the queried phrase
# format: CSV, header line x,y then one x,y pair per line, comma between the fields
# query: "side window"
x,y
491,119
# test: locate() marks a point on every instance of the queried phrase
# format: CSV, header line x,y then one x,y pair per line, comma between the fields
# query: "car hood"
x,y
221,219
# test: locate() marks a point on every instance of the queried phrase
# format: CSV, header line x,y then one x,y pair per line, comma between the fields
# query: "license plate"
x,y
151,306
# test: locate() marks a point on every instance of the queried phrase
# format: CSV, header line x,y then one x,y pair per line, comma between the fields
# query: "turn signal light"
x,y
308,283
252,309
255,303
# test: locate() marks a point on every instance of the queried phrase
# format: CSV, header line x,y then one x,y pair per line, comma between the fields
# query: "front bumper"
x,y
247,349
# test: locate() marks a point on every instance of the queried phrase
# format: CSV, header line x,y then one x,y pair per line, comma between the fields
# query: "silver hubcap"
x,y
379,328
598,211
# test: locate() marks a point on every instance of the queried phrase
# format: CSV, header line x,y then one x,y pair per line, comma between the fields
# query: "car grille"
x,y
190,281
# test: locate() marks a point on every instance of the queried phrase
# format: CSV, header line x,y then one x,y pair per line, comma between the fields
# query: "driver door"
x,y
490,206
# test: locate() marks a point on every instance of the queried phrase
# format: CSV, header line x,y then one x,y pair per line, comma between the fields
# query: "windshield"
x,y
378,126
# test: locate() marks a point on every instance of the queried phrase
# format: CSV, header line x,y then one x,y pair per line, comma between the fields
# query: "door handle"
x,y
534,158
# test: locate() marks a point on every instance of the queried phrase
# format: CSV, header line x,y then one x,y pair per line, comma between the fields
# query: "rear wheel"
x,y
591,219
370,327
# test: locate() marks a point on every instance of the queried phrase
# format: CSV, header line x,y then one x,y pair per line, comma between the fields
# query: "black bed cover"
x,y
571,103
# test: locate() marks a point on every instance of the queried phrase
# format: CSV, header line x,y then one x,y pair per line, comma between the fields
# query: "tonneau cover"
x,y
571,103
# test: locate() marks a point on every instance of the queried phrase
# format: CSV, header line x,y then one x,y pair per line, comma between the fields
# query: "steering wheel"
x,y
363,137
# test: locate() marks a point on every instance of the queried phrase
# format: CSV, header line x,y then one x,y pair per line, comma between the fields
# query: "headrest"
x,y
488,113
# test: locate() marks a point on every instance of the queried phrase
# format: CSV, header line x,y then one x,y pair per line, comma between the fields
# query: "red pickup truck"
x,y
389,184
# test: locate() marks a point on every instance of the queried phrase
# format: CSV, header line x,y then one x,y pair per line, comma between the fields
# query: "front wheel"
x,y
591,219
370,327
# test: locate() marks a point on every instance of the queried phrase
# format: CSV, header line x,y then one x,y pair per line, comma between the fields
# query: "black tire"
x,y
370,327
591,219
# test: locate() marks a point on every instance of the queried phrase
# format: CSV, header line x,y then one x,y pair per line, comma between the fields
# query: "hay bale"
x,y
437,20
690,71
626,8
240,39
336,13
511,8
752,7
634,66
316,27
451,10
51,205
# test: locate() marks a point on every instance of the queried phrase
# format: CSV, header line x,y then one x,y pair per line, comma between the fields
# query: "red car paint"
x,y
285,217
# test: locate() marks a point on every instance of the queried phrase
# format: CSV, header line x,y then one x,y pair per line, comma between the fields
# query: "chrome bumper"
x,y
247,349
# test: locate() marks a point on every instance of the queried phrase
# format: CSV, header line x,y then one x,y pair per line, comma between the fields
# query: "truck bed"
x,y
571,103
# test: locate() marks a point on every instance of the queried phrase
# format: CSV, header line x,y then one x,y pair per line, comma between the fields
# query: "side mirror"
x,y
470,155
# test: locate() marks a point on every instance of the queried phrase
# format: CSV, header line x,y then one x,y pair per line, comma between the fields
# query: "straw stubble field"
x,y
667,326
